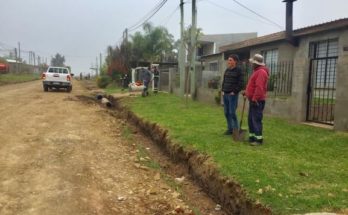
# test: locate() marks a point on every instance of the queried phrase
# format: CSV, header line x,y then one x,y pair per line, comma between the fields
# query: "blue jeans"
x,y
146,85
230,106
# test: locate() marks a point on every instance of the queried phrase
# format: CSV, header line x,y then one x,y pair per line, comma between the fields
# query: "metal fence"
x,y
280,77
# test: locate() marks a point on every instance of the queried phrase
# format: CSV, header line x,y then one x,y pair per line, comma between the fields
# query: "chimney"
x,y
289,30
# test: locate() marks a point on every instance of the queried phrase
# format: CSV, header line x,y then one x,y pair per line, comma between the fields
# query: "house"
x,y
208,45
309,70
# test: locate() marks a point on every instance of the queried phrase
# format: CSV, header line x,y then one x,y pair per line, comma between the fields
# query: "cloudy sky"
x,y
82,29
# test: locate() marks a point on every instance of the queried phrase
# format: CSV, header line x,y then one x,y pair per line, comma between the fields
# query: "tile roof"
x,y
336,24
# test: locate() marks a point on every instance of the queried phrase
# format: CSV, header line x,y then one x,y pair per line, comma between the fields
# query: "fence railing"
x,y
280,77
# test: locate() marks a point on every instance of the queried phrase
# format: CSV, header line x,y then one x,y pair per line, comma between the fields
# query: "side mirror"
x,y
72,74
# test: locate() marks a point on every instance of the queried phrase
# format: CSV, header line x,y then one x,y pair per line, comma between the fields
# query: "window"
x,y
213,66
270,57
200,51
324,55
323,49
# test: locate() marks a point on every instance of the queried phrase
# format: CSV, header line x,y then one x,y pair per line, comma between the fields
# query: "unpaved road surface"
x,y
61,155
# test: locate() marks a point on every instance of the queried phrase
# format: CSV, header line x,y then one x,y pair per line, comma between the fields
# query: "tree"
x,y
155,45
58,60
187,39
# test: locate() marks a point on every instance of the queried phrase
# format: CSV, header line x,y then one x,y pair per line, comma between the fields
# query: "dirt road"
x,y
60,155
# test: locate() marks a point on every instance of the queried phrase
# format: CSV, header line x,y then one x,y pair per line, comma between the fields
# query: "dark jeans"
x,y
255,118
146,85
230,106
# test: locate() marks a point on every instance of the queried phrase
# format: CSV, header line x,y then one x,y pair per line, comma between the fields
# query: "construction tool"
x,y
239,134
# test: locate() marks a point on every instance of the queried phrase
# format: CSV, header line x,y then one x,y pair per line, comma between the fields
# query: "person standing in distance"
x,y
231,86
256,90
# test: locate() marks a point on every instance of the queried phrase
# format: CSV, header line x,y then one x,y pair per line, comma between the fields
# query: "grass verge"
x,y
112,88
17,78
299,168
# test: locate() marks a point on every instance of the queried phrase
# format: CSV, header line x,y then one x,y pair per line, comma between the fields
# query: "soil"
x,y
62,153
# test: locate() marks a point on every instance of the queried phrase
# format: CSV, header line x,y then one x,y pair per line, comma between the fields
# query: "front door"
x,y
322,81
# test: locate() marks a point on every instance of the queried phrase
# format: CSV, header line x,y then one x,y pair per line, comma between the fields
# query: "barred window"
x,y
270,57
213,66
324,53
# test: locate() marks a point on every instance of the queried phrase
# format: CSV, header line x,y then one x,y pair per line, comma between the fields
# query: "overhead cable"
x,y
149,16
265,18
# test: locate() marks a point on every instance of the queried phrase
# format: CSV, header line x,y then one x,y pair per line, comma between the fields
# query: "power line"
x,y
235,12
148,14
171,15
148,18
265,18
238,13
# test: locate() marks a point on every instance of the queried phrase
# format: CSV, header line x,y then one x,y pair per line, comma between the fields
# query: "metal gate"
x,y
322,81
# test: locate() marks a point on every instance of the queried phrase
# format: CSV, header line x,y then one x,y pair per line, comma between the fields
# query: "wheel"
x,y
45,87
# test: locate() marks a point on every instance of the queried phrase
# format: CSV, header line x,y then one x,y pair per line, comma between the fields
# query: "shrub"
x,y
218,97
103,81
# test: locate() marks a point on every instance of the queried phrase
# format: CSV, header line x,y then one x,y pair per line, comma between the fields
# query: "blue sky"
x,y
81,29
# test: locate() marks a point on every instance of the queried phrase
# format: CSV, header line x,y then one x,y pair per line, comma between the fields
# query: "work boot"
x,y
257,142
252,139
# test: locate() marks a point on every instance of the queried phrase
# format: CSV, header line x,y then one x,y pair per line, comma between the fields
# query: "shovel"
x,y
239,134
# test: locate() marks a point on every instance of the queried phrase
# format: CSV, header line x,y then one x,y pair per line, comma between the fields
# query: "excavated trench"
x,y
232,197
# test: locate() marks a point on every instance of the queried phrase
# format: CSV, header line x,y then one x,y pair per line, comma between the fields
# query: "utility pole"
x,y
100,63
125,41
19,54
193,50
16,57
182,51
34,58
96,66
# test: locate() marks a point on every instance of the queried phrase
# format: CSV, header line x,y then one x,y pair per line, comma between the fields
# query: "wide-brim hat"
x,y
257,59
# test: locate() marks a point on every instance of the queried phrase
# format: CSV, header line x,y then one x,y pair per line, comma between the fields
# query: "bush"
x,y
103,81
218,97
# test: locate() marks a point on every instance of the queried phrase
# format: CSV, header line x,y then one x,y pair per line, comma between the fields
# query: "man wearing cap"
x,y
231,86
256,93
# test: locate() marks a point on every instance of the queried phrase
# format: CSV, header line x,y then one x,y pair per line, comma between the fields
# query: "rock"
x,y
260,191
180,180
121,198
152,191
157,176
303,174
218,207
144,168
330,195
175,195
178,209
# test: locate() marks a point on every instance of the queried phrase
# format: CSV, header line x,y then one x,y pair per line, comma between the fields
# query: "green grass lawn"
x,y
17,78
111,89
298,169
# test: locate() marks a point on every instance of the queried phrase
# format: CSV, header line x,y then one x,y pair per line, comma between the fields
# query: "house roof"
x,y
224,39
336,24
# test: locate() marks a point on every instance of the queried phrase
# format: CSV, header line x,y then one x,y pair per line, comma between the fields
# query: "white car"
x,y
57,77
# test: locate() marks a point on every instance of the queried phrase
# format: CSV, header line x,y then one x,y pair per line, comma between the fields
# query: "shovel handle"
x,y
241,119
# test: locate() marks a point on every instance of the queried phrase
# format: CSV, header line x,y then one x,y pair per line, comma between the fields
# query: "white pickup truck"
x,y
57,77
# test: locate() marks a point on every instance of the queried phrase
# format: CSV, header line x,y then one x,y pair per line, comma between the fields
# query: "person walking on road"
x,y
231,86
256,90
